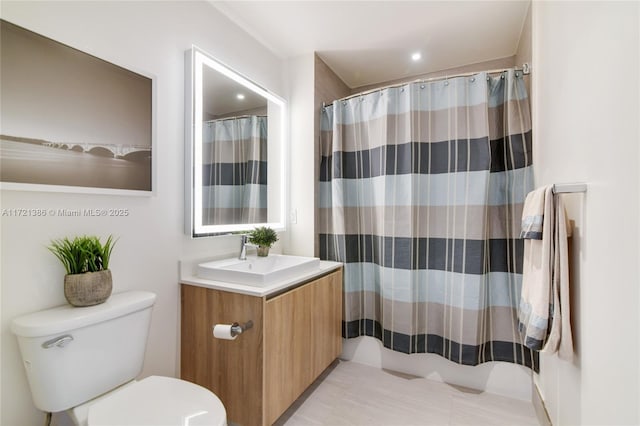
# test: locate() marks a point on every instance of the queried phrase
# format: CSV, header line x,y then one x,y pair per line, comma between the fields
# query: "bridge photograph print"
x,y
70,121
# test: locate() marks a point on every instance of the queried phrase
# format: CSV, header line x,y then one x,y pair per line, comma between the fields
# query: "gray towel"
x,y
560,338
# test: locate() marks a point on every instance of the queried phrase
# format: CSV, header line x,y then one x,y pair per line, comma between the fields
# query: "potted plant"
x,y
86,260
263,237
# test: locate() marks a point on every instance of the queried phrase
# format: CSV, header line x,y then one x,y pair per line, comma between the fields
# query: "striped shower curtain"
x,y
234,170
421,192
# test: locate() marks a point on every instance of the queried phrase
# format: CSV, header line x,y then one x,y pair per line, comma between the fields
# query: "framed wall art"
x,y
70,121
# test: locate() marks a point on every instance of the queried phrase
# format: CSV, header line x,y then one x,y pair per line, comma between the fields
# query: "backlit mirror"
x,y
235,168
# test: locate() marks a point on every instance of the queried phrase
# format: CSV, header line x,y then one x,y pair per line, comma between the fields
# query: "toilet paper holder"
x,y
237,329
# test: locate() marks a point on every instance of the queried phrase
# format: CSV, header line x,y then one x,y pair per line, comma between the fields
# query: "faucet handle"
x,y
243,247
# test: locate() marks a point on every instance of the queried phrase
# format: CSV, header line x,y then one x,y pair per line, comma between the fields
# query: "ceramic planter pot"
x,y
88,289
263,251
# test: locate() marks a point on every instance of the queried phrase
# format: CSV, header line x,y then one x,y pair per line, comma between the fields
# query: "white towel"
x,y
533,315
544,312
533,214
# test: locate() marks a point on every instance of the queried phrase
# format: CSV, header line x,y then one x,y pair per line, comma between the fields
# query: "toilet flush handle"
x,y
60,341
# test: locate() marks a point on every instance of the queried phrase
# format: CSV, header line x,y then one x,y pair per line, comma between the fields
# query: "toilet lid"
x,y
159,401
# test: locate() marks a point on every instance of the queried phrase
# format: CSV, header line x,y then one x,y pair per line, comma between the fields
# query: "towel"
x,y
533,314
560,337
532,215
544,311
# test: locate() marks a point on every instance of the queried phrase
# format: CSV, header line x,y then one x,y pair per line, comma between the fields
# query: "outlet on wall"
x,y
293,216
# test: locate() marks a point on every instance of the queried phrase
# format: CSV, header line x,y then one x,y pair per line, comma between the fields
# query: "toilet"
x,y
85,361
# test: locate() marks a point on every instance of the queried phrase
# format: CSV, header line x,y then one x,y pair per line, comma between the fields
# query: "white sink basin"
x,y
258,271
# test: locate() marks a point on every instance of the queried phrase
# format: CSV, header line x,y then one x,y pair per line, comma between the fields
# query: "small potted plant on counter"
x,y
86,260
263,237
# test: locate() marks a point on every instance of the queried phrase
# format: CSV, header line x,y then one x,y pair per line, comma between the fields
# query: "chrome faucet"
x,y
243,247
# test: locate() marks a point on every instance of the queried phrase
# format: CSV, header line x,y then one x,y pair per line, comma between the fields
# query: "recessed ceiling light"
x,y
240,96
416,56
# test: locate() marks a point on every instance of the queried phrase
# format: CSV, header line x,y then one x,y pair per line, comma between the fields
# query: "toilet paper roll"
x,y
223,331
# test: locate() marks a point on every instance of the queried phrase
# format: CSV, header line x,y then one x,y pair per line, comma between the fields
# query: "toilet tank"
x,y
72,355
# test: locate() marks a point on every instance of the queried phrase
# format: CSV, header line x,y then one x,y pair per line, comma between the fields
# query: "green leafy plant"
x,y
83,254
263,236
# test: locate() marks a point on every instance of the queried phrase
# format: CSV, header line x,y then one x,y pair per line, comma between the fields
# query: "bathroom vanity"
x,y
296,335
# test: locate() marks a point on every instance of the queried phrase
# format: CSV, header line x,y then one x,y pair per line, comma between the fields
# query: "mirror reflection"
x,y
235,150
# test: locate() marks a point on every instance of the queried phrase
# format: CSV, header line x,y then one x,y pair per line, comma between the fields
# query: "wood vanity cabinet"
x,y
296,335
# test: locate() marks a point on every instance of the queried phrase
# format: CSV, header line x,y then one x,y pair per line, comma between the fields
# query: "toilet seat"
x,y
158,401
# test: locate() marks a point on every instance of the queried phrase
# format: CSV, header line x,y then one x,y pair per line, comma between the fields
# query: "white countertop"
x,y
188,276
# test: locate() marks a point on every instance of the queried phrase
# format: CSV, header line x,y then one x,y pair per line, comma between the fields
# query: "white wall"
x,y
148,37
300,72
586,112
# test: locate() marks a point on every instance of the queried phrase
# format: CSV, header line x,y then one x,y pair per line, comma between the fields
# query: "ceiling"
x,y
221,95
367,42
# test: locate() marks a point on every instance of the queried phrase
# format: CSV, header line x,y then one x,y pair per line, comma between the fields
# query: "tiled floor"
x,y
354,394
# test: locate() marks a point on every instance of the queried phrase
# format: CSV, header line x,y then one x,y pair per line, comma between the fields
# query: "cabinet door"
x,y
287,344
232,369
302,337
326,322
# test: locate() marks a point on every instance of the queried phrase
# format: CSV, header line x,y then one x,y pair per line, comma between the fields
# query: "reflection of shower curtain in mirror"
x,y
234,170
421,192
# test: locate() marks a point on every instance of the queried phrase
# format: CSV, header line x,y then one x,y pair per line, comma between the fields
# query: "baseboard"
x,y
540,408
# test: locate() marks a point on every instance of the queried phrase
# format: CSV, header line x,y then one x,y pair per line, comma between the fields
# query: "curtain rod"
x,y
233,118
526,70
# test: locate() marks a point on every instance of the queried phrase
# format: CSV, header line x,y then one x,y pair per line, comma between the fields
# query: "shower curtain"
x,y
234,170
421,192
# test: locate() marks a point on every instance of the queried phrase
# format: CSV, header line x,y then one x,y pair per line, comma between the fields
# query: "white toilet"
x,y
85,360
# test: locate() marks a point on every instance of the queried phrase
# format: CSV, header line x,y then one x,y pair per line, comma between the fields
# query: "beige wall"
x,y
327,88
523,53
491,64
585,118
